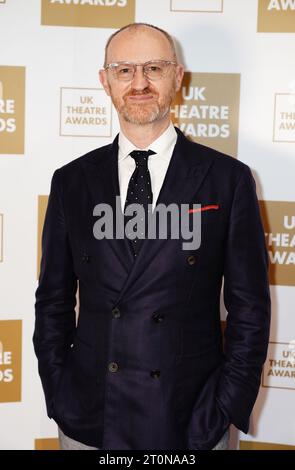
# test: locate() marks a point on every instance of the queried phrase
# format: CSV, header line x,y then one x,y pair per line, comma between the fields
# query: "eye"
x,y
153,68
124,70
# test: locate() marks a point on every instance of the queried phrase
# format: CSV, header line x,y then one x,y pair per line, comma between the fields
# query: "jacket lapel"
x,y
101,172
185,174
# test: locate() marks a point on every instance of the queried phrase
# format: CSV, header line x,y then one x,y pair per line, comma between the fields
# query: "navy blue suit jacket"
x,y
158,317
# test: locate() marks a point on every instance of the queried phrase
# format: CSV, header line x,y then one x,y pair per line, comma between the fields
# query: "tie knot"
x,y
141,156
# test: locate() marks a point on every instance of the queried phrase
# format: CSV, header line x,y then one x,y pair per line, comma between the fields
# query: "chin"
x,y
140,116
143,116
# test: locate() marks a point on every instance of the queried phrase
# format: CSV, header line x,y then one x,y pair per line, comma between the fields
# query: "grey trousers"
x,y
66,443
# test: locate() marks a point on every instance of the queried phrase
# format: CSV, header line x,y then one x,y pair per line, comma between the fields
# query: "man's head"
x,y
140,94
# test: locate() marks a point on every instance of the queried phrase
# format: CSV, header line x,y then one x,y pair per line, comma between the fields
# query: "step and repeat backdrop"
x,y
238,96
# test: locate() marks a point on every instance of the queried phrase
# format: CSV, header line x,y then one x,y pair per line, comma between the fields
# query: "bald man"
x,y
144,366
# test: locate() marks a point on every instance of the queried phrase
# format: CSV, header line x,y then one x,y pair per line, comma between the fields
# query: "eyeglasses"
x,y
152,70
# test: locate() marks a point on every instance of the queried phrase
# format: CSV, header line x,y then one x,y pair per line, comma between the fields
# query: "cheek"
x,y
123,88
117,91
168,90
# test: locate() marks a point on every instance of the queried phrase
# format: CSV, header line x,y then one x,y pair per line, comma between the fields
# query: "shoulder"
x,y
223,164
94,157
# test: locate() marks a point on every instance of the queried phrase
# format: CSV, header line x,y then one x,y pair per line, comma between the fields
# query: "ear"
x,y
179,76
104,81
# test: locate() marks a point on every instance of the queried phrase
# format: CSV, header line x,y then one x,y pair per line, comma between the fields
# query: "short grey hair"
x,y
136,26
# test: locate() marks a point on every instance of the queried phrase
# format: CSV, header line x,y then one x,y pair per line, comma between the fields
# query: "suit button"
x,y
116,312
158,318
155,374
191,260
86,258
113,367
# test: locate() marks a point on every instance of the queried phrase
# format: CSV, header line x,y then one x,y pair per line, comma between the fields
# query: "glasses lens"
x,y
155,70
152,70
124,71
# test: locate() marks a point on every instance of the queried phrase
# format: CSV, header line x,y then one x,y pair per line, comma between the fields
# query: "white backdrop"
x,y
59,58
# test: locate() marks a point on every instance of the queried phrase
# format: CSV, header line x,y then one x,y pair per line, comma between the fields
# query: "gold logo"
x,y
208,6
206,109
85,112
284,118
10,360
255,445
47,444
279,367
42,206
276,16
279,227
12,109
88,13
1,238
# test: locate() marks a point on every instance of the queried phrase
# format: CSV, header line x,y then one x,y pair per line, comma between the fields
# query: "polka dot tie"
x,y
139,192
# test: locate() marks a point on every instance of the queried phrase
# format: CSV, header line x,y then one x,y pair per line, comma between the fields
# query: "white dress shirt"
x,y
157,163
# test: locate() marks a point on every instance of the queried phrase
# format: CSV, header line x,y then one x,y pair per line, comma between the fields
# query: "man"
x,y
144,368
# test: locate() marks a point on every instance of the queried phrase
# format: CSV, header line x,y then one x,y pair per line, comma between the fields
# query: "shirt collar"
x,y
161,145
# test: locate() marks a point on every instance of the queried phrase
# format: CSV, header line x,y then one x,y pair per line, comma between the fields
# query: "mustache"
x,y
145,91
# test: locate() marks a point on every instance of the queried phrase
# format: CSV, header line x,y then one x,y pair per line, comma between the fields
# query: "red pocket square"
x,y
205,208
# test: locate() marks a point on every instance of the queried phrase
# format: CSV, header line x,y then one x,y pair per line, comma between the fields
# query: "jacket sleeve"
x,y
230,393
55,296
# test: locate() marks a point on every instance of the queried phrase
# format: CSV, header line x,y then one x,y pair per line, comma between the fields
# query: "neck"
x,y
143,135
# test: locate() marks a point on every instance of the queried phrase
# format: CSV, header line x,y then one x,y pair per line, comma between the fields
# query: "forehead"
x,y
139,45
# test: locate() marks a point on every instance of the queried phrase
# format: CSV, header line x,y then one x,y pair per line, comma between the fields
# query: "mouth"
x,y
143,97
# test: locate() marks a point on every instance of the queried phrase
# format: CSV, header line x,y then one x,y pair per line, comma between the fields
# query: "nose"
x,y
139,81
